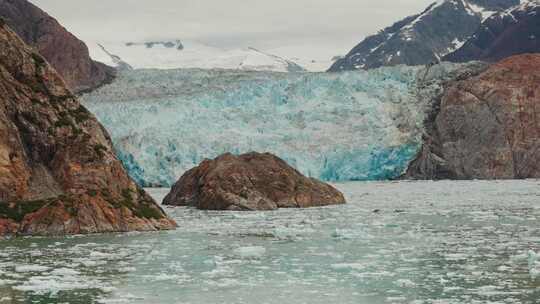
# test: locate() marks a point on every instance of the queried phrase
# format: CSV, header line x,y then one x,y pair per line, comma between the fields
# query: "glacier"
x,y
185,54
360,125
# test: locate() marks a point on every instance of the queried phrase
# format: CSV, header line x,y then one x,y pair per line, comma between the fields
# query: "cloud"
x,y
227,23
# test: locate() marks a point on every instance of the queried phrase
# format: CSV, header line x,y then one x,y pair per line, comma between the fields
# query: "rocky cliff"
x,y
512,32
486,126
67,54
58,170
423,38
251,181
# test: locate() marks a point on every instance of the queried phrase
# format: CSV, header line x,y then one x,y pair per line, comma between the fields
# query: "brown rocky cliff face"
x,y
251,181
58,170
488,126
67,54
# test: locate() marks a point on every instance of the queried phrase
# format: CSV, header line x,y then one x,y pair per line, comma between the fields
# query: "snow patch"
x,y
476,10
192,55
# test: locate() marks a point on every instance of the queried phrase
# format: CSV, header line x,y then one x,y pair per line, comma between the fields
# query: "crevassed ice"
x,y
348,126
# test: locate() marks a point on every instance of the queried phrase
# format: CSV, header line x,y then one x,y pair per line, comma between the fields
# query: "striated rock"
x,y
58,171
250,181
67,54
512,32
487,126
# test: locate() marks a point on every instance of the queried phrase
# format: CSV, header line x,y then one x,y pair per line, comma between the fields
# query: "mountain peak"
x,y
423,38
65,52
510,32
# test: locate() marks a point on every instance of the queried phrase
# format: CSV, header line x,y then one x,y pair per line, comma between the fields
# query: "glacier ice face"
x,y
334,126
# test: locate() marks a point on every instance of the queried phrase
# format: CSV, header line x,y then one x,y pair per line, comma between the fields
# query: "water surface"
x,y
403,242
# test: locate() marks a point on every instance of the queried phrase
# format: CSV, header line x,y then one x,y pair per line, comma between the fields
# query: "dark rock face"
x,y
487,126
58,170
422,38
67,54
494,5
513,32
250,181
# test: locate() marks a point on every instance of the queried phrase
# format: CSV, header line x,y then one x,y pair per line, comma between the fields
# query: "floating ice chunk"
x,y
406,283
31,268
127,269
89,262
108,289
100,255
503,268
64,272
224,282
395,299
250,251
342,234
55,284
518,257
451,289
534,264
163,277
532,257
456,256
123,298
348,266
6,282
35,253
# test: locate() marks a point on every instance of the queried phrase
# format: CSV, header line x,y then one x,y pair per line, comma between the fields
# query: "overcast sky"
x,y
332,25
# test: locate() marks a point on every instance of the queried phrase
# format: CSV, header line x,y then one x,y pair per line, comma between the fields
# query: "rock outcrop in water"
x,y
58,171
486,126
67,54
251,181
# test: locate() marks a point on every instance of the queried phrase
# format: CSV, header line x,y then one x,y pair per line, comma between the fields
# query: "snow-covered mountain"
x,y
423,38
511,32
187,54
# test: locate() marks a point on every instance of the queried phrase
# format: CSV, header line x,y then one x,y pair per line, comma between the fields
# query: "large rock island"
x,y
58,171
486,126
251,181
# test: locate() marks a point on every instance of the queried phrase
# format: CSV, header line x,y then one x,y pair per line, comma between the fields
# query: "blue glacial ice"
x,y
347,126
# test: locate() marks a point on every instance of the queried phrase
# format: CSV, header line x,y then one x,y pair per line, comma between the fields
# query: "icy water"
x,y
404,242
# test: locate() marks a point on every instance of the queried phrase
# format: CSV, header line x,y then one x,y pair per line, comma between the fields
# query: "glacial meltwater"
x,y
394,242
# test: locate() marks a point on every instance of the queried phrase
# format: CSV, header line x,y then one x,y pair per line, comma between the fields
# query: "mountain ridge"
x,y
422,38
511,32
65,52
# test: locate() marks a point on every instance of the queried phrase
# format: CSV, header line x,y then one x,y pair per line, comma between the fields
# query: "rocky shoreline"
x,y
58,170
